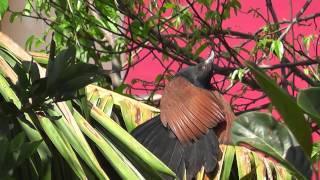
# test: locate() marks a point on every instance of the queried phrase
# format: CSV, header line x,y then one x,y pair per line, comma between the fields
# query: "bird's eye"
x,y
203,67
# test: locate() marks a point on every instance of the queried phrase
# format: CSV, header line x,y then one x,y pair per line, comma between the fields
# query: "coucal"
x,y
193,121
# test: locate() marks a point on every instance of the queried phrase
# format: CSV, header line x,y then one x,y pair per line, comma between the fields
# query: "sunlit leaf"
x,y
277,47
3,7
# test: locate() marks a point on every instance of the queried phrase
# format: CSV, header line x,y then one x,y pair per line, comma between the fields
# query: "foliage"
x,y
125,33
59,128
3,7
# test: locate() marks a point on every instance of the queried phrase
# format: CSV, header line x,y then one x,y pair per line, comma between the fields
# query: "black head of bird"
x,y
199,75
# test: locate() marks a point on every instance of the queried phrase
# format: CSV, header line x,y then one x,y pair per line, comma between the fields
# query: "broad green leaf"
x,y
262,132
3,7
277,47
286,106
308,100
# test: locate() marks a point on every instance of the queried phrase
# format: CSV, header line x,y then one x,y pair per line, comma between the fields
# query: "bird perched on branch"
x,y
193,121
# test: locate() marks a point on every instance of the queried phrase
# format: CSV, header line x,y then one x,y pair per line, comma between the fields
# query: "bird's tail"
x,y
180,158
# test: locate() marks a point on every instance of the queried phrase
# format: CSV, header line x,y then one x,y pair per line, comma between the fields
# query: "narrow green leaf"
x,y
288,109
243,162
67,125
32,133
62,146
116,158
227,162
131,144
128,115
259,167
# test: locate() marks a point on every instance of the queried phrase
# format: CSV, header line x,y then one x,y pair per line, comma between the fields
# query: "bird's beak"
x,y
210,58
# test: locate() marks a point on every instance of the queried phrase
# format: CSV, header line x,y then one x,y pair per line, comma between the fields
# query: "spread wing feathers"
x,y
189,111
180,158
223,130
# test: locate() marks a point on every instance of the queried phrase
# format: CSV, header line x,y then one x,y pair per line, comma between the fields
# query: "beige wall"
x,y
20,30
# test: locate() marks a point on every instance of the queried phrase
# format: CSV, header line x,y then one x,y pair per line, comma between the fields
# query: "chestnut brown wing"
x,y
189,111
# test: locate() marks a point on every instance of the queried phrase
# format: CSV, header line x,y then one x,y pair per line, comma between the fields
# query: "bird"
x,y
194,119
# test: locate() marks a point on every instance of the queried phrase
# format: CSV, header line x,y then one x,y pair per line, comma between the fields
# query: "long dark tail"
x,y
180,158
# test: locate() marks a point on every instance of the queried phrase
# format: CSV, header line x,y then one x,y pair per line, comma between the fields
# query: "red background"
x,y
243,22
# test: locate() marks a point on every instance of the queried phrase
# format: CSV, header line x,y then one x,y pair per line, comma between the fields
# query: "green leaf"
x,y
244,169
3,7
262,132
29,42
111,153
307,40
277,47
3,151
62,145
286,106
177,22
200,49
13,16
27,8
27,150
67,126
308,100
227,162
138,152
259,165
17,141
207,3
57,66
315,155
169,5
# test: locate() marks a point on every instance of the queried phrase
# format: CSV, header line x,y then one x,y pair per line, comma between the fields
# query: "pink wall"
x,y
244,22
150,68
